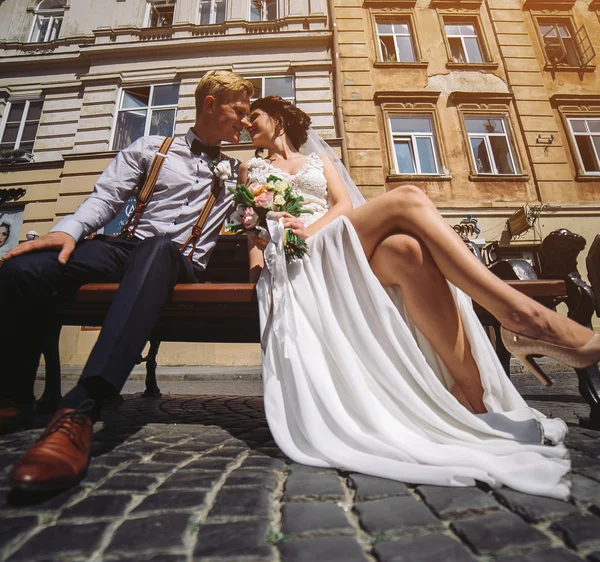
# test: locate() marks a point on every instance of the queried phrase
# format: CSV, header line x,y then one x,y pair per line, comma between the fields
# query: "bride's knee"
x,y
402,251
410,196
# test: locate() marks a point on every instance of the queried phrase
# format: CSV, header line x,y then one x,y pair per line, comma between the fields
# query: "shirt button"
x,y
197,181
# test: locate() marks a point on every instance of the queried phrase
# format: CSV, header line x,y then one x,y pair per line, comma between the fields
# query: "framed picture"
x,y
11,221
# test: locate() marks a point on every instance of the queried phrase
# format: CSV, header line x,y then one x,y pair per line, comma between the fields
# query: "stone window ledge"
x,y
499,177
407,178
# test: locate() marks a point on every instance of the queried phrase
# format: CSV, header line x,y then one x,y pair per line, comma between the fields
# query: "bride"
x,y
373,359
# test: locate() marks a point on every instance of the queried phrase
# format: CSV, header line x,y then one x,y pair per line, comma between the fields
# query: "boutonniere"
x,y
222,170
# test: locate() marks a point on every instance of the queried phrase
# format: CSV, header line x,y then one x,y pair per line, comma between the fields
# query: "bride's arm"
x,y
338,196
255,254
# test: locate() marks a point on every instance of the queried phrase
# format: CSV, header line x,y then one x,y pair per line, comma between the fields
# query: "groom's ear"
x,y
209,104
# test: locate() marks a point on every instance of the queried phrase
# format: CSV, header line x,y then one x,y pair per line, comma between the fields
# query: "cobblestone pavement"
x,y
191,478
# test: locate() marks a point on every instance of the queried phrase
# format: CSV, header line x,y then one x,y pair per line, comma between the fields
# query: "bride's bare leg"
x,y
407,209
402,260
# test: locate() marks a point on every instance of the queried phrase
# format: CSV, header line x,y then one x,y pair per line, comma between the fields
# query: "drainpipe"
x,y
337,82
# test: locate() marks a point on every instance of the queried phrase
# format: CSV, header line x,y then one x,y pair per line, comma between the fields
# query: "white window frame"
x,y
213,11
148,14
411,35
149,108
263,11
486,139
263,78
588,133
476,36
7,108
412,139
53,15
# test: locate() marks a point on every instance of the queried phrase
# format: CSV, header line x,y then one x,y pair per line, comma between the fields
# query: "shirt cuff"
x,y
70,226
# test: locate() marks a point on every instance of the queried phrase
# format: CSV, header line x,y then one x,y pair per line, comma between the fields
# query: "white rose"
x,y
279,200
223,170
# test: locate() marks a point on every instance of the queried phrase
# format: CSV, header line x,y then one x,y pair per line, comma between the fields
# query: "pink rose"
x,y
249,218
264,200
256,188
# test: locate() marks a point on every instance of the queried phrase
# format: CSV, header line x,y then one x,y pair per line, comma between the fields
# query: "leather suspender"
x,y
147,190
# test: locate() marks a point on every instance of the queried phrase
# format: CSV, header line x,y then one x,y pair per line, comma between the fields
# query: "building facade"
x,y
488,105
81,80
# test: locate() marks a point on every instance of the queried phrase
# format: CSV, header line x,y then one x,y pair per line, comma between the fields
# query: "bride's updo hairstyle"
x,y
294,122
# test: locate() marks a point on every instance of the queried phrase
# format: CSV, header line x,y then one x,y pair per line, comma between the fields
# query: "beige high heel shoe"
x,y
525,349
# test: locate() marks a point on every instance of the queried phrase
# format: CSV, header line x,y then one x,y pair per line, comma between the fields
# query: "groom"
x,y
160,252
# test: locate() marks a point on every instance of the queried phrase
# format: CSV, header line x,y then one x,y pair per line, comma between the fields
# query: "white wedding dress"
x,y
350,383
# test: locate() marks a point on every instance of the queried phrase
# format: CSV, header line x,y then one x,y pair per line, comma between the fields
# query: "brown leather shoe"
x,y
14,415
61,455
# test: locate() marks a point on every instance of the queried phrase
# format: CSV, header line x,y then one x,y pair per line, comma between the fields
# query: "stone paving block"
x,y
113,460
303,517
171,457
260,461
128,483
584,489
579,531
171,500
592,472
535,508
98,506
594,556
95,474
158,532
301,485
43,501
191,479
233,541
12,527
498,531
149,468
207,464
371,487
395,514
232,502
249,477
549,555
192,447
426,548
321,549
58,541
452,502
225,452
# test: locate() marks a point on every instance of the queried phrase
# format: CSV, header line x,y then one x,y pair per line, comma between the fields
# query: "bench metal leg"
x,y
50,399
152,390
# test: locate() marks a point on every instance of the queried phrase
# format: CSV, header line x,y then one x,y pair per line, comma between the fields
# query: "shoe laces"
x,y
78,416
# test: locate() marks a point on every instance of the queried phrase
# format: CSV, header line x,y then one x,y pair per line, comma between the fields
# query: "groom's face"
x,y
229,116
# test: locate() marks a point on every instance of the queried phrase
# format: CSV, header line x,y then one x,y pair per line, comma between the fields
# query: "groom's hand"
x,y
61,241
293,223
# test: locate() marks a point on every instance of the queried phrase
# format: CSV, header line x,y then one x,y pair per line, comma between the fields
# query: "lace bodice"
x,y
309,181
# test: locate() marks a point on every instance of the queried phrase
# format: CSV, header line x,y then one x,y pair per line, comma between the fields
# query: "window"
x,y
464,42
160,13
490,145
47,21
262,10
565,46
20,125
586,133
415,150
146,110
395,42
282,86
212,11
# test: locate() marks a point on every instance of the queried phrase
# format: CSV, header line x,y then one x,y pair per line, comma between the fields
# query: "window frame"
x,y
148,13
23,121
567,20
575,147
508,134
149,109
399,15
470,19
264,11
263,77
213,11
54,14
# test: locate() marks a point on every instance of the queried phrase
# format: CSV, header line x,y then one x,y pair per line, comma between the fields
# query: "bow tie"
x,y
198,147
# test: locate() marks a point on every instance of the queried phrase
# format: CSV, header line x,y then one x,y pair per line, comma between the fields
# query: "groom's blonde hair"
x,y
220,84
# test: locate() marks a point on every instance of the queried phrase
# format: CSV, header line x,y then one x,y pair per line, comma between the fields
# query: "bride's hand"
x,y
293,223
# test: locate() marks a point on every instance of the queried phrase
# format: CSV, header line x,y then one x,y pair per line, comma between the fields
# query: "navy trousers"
x,y
32,284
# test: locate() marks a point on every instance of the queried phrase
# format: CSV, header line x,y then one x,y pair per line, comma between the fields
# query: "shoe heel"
x,y
535,369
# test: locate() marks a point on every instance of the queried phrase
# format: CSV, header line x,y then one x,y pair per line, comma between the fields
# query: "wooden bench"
x,y
224,309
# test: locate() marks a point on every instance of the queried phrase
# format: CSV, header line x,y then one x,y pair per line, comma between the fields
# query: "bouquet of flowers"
x,y
257,202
